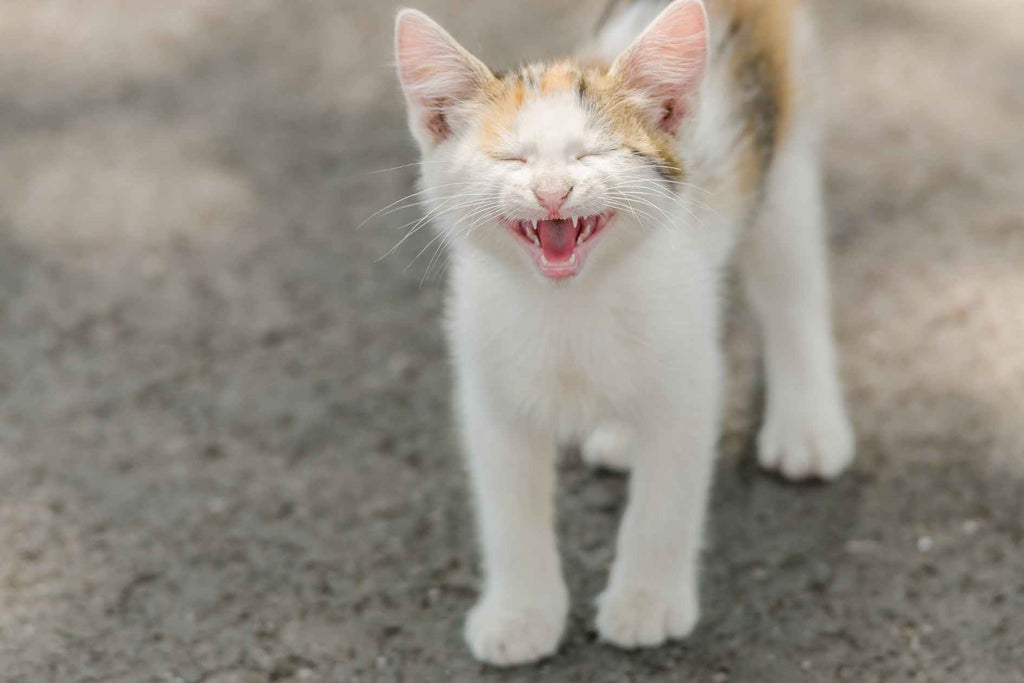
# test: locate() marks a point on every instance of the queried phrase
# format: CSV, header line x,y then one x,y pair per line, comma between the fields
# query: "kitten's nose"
x,y
552,193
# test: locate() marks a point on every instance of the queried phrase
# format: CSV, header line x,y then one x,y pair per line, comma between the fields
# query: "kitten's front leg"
x,y
521,614
652,591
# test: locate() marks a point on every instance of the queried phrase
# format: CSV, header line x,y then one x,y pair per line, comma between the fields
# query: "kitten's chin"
x,y
559,246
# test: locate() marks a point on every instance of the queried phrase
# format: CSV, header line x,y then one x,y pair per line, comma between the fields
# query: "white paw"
x,y
644,618
505,632
808,441
608,447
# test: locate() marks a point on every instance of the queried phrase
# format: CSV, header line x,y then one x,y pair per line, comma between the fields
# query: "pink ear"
x,y
666,63
436,73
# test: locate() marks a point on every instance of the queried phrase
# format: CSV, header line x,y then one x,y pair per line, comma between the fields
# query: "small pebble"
x,y
925,543
821,575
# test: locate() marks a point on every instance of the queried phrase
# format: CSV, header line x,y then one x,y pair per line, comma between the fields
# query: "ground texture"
x,y
225,450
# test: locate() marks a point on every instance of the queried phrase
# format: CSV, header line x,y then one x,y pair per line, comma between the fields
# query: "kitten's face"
x,y
551,167
546,166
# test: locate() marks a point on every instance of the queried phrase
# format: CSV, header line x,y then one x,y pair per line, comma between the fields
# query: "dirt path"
x,y
225,450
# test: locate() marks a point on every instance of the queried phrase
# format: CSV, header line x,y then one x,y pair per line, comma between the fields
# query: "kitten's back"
x,y
754,49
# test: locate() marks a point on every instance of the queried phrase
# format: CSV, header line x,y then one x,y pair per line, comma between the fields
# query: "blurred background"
x,y
226,454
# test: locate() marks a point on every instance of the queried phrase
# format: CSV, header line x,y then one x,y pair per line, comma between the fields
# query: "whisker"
x,y
419,224
405,198
429,200
452,230
398,168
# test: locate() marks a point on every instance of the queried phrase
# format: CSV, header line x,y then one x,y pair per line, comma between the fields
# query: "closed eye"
x,y
591,155
518,160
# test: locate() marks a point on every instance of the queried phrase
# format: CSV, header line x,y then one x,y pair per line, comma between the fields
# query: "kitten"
x,y
591,209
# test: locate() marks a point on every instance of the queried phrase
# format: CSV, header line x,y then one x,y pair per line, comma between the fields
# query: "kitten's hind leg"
x,y
784,265
608,447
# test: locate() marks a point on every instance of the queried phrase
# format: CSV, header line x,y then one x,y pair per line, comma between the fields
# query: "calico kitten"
x,y
591,207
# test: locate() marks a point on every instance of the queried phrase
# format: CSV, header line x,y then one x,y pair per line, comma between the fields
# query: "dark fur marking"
x,y
759,98
658,164
437,124
581,88
436,120
528,80
758,92
730,34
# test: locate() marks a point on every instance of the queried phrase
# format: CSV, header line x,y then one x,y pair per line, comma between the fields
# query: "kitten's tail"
x,y
620,23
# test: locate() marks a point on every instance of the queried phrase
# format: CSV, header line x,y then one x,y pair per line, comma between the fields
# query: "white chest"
x,y
567,360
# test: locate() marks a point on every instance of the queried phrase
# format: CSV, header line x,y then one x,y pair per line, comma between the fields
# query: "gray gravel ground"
x,y
225,450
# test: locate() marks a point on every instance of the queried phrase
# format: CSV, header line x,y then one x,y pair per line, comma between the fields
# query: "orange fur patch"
x,y
627,121
771,39
559,76
765,46
760,43
504,97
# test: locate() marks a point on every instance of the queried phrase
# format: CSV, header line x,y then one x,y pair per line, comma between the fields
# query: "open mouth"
x,y
559,245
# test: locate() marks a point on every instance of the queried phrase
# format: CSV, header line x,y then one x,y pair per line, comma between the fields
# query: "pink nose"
x,y
552,195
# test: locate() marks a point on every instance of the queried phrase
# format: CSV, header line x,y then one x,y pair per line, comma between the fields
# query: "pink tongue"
x,y
557,239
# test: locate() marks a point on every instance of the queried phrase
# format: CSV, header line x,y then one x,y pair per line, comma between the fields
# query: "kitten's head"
x,y
552,165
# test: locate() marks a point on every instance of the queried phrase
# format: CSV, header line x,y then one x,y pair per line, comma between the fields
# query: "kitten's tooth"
x,y
530,230
572,259
588,228
575,221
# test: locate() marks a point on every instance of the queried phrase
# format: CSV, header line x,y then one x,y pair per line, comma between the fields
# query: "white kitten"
x,y
591,210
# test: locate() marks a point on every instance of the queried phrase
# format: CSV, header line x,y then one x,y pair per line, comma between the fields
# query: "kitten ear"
x,y
436,73
666,63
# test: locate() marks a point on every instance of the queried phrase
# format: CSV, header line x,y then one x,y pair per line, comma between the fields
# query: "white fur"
x,y
624,357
